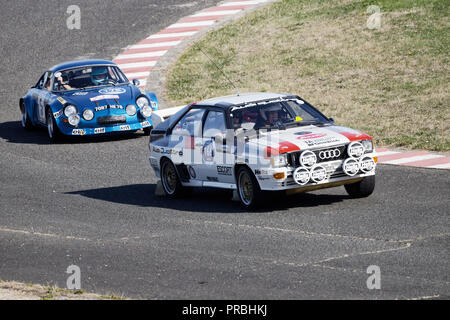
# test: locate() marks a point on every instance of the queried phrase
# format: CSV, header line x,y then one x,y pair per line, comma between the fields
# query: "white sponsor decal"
x,y
99,130
110,106
104,97
81,93
112,91
58,114
145,124
78,132
125,127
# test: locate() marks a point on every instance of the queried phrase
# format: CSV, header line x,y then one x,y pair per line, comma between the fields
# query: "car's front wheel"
x,y
249,192
52,128
169,179
361,189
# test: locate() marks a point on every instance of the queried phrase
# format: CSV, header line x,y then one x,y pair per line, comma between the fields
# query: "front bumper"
x,y
123,127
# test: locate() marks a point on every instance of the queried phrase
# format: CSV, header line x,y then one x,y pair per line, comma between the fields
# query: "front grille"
x,y
111,120
294,157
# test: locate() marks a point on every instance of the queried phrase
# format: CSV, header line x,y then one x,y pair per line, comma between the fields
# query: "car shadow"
x,y
13,132
203,199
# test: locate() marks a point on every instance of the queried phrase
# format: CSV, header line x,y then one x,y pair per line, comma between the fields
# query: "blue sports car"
x,y
89,97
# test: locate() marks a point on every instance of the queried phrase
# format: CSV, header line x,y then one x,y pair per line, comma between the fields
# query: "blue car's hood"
x,y
101,96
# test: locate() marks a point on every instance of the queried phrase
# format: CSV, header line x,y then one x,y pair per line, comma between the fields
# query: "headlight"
x,y
308,158
368,145
146,111
279,160
131,110
142,101
355,149
88,114
69,110
74,119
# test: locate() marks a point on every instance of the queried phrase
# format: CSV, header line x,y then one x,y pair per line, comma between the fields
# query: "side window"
x,y
214,124
190,124
40,83
47,81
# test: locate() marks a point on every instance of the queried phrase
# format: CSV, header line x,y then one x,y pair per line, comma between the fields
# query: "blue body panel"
x,y
104,101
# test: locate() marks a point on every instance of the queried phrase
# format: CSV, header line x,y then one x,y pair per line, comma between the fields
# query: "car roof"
x,y
234,100
80,63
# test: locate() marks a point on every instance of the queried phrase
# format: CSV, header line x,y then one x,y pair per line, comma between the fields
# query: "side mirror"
x,y
331,119
136,82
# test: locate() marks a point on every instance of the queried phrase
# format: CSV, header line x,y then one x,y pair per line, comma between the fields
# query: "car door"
x,y
186,141
218,167
41,98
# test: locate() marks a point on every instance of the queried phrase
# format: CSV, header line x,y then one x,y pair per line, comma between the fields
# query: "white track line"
x,y
137,65
240,3
155,45
141,55
215,13
192,24
412,159
386,153
440,166
172,35
137,74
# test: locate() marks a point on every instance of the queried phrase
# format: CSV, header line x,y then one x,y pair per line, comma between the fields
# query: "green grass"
x,y
391,83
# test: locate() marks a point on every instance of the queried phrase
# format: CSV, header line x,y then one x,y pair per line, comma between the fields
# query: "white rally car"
x,y
259,142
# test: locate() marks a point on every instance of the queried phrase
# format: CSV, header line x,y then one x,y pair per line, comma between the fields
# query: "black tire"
x,y
26,122
170,180
52,128
361,189
147,131
248,189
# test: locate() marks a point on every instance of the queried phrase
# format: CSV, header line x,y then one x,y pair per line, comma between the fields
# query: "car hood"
x,y
102,96
307,137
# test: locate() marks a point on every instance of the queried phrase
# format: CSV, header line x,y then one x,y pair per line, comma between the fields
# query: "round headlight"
x,y
350,166
308,159
355,149
69,110
131,110
74,119
318,174
301,175
368,145
142,101
88,114
146,111
366,164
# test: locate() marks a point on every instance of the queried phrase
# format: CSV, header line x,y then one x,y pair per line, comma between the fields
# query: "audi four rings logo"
x,y
329,154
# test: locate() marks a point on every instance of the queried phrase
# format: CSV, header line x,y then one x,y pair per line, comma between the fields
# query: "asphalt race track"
x,y
91,203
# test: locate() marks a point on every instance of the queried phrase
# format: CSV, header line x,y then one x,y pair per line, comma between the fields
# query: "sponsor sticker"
x,y
61,100
104,97
224,171
125,127
99,130
81,93
112,91
145,124
78,132
58,114
108,106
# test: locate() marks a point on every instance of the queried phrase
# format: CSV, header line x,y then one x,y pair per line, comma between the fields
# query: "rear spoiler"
x,y
161,115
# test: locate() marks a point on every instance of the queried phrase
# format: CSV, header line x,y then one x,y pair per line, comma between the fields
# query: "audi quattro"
x,y
89,97
260,142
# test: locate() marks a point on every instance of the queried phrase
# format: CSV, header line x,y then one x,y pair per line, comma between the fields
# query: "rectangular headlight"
x,y
368,145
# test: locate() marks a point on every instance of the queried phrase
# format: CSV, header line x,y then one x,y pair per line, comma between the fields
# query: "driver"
x,y
268,117
58,77
99,75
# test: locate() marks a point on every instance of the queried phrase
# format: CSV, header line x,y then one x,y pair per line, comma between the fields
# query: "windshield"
x,y
86,77
275,114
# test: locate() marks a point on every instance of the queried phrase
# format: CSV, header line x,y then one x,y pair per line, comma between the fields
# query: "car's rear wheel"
x,y
249,192
170,181
26,122
52,128
361,189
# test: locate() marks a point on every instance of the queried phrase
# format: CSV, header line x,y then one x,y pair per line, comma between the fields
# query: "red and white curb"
x,y
137,60
422,159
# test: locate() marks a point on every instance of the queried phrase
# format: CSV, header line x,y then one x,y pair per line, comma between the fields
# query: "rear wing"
x,y
161,115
